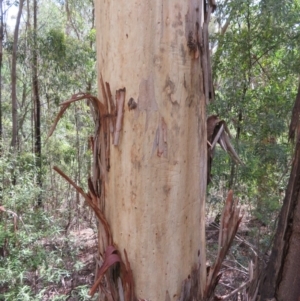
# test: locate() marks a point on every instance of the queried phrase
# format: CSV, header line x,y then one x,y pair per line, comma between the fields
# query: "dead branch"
x,y
225,297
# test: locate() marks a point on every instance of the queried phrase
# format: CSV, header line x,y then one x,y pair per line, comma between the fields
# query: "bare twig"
x,y
225,297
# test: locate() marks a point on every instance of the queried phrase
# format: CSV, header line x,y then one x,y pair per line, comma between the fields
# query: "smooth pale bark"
x,y
155,195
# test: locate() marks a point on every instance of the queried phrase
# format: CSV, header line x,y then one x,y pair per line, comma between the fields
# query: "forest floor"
x,y
79,265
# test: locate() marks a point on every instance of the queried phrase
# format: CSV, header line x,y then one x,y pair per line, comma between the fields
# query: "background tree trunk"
x,y
14,79
1,57
156,186
281,278
37,104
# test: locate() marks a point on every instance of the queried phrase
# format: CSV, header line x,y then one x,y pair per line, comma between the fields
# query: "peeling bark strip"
x,y
230,221
91,200
111,257
198,40
218,132
117,285
120,100
190,289
205,53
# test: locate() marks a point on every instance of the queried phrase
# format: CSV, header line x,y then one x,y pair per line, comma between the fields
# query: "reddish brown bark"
x,y
281,278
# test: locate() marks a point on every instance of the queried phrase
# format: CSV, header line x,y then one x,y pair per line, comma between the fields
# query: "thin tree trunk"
x,y
14,140
1,58
89,84
37,104
78,166
156,186
233,164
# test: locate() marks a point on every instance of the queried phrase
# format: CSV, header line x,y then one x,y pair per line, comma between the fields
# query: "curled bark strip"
x,y
113,110
128,280
91,200
205,53
104,94
77,188
76,97
107,122
111,257
204,60
218,132
97,104
61,112
120,100
229,224
190,288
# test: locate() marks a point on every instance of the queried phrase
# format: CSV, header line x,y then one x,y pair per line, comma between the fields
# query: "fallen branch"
x,y
225,297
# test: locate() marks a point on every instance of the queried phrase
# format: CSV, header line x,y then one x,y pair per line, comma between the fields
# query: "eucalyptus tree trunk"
x,y
156,184
14,79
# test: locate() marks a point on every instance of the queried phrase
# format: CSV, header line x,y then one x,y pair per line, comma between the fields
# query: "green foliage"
x,y
34,253
54,46
32,248
256,69
20,230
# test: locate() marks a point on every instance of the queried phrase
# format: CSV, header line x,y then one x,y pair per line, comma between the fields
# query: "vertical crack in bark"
x,y
160,141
